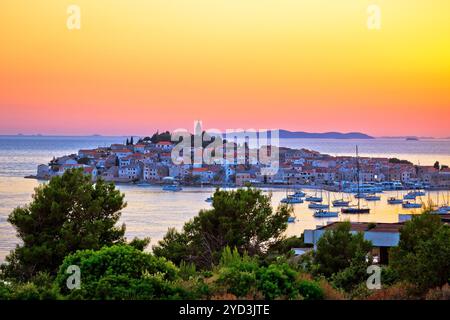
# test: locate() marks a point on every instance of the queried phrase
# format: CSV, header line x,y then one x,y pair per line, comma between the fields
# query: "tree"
x,y
337,249
120,272
243,219
69,213
436,165
423,254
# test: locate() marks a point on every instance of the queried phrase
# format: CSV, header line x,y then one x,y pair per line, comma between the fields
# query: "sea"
x,y
151,211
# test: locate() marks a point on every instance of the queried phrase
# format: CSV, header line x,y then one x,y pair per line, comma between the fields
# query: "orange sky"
x,y
309,65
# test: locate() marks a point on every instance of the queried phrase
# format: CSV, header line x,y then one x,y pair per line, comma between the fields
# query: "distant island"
x,y
285,134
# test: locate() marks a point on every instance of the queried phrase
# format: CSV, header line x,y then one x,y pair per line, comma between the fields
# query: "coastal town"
x,y
149,161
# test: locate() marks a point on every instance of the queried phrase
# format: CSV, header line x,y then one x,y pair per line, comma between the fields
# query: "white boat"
x,y
410,196
299,194
316,205
360,195
393,200
372,197
440,211
325,214
291,200
291,219
172,187
411,205
341,203
209,199
419,193
314,199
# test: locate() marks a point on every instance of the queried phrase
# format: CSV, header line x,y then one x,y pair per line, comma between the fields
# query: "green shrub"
x,y
120,272
278,280
310,290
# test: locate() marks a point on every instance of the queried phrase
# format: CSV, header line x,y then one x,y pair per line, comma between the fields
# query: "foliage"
x,y
423,254
243,219
67,214
337,249
238,274
310,290
278,281
140,244
354,274
120,272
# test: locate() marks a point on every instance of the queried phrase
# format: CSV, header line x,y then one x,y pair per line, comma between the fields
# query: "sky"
x,y
135,66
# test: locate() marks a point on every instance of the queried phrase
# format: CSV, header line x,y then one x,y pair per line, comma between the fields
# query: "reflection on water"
x,y
151,211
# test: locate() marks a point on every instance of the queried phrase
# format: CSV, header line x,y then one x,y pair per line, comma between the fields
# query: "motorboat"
x,y
291,220
291,200
341,203
299,194
411,205
314,199
410,196
316,205
325,214
209,199
372,197
393,200
172,187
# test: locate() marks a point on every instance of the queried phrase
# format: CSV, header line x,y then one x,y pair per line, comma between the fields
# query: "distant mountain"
x,y
284,134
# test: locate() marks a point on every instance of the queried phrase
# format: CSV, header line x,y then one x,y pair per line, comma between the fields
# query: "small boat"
x,y
372,197
291,200
393,200
360,195
325,214
410,196
291,220
411,205
172,187
316,205
314,199
445,208
341,203
419,193
355,210
299,194
209,199
440,211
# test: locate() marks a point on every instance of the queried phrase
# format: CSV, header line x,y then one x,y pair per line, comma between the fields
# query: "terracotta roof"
x,y
364,226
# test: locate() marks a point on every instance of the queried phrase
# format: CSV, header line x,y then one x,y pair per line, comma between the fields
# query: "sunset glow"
x,y
310,65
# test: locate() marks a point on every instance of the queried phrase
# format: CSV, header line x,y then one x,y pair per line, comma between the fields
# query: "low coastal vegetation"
x,y
235,250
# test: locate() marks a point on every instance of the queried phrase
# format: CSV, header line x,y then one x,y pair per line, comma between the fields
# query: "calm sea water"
x,y
151,211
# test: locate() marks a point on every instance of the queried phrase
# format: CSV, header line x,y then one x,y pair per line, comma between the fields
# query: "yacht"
x,y
411,205
360,195
325,214
410,196
372,197
299,194
341,203
394,200
316,205
291,200
209,199
314,199
440,211
172,187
